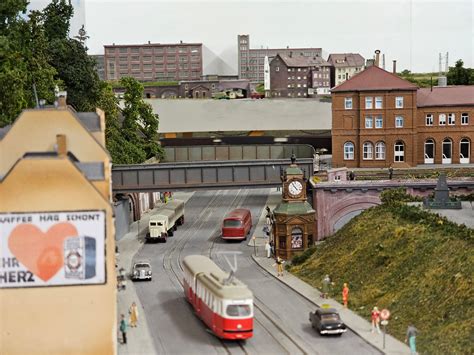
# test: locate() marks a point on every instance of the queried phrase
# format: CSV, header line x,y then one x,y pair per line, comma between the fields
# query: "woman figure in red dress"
x,y
345,295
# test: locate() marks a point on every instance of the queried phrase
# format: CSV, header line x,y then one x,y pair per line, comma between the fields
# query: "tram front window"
x,y
238,310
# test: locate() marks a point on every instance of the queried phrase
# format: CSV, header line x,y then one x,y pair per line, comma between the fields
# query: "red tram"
x,y
237,224
224,304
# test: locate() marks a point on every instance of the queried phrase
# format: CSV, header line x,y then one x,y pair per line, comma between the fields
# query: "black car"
x,y
327,321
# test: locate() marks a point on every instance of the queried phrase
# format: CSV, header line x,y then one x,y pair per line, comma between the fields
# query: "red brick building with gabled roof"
x,y
379,119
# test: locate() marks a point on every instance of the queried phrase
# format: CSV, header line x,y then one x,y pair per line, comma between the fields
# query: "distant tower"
x,y
243,46
442,79
266,76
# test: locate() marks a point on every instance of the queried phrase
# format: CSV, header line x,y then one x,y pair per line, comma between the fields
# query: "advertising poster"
x,y
52,249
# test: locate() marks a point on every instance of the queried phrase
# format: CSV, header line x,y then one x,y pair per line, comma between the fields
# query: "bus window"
x,y
232,223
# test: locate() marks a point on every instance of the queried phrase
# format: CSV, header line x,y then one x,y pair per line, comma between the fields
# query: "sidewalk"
x,y
359,325
139,339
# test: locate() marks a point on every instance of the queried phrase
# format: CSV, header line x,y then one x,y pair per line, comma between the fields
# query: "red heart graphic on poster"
x,y
42,253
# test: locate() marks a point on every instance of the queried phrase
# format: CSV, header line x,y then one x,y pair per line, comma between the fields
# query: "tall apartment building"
x,y
298,76
251,61
379,119
344,66
154,61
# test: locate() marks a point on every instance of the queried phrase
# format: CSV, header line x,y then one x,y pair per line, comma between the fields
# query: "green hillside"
x,y
418,265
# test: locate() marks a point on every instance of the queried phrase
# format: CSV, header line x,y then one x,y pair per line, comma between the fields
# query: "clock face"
x,y
295,188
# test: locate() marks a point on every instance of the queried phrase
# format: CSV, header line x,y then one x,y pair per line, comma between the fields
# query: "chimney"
x,y
290,55
377,58
149,42
181,42
61,146
394,66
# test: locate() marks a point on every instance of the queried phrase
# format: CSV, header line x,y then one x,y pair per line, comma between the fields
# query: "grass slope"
x,y
421,268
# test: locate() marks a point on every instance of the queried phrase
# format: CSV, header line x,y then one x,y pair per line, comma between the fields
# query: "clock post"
x,y
294,227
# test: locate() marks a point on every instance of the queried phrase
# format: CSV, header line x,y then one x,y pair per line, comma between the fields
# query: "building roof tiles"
x,y
339,60
446,96
374,79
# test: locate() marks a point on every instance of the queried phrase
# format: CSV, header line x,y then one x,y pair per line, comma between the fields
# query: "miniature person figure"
x,y
412,332
268,249
272,247
123,329
375,316
268,216
352,175
133,314
345,295
390,172
279,264
326,283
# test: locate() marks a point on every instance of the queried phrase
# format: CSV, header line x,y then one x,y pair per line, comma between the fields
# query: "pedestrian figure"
x,y
268,249
123,329
375,316
133,314
345,295
272,247
390,172
279,264
412,332
326,283
266,230
351,175
268,216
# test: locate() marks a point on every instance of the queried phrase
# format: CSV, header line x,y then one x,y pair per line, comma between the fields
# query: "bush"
x,y
301,258
395,196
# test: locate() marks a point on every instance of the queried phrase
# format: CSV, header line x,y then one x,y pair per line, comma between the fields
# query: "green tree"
x,y
458,75
74,67
140,124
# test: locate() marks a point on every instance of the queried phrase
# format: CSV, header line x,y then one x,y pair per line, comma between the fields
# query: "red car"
x,y
256,95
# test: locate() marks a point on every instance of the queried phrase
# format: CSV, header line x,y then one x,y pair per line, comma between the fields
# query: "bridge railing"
x,y
203,175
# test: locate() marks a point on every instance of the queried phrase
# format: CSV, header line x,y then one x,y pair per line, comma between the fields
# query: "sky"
x,y
413,32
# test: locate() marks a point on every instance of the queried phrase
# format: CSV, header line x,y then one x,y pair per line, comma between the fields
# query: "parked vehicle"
x,y
141,270
327,321
223,302
237,224
257,95
165,220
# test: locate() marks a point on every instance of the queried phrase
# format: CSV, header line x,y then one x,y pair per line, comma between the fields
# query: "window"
x,y
159,50
135,58
183,59
368,122
135,50
429,151
399,121
464,149
348,151
277,69
304,85
368,102
296,238
429,119
123,50
380,151
299,69
194,58
464,118
378,122
399,102
170,58
378,102
147,58
442,119
399,151
304,77
368,151
348,103
289,69
451,119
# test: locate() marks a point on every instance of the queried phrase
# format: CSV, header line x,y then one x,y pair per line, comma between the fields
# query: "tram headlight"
x,y
239,326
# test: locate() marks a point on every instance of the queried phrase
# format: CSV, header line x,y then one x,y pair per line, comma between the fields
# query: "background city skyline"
x,y
413,32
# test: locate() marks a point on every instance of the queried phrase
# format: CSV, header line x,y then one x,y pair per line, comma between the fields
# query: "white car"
x,y
141,270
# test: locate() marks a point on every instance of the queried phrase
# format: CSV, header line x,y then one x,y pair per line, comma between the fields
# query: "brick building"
x,y
298,76
344,66
251,61
379,119
154,61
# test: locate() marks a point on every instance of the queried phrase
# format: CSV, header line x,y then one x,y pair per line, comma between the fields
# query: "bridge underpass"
x,y
203,175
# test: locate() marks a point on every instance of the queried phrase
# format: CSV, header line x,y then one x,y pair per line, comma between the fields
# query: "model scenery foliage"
x,y
413,262
36,54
